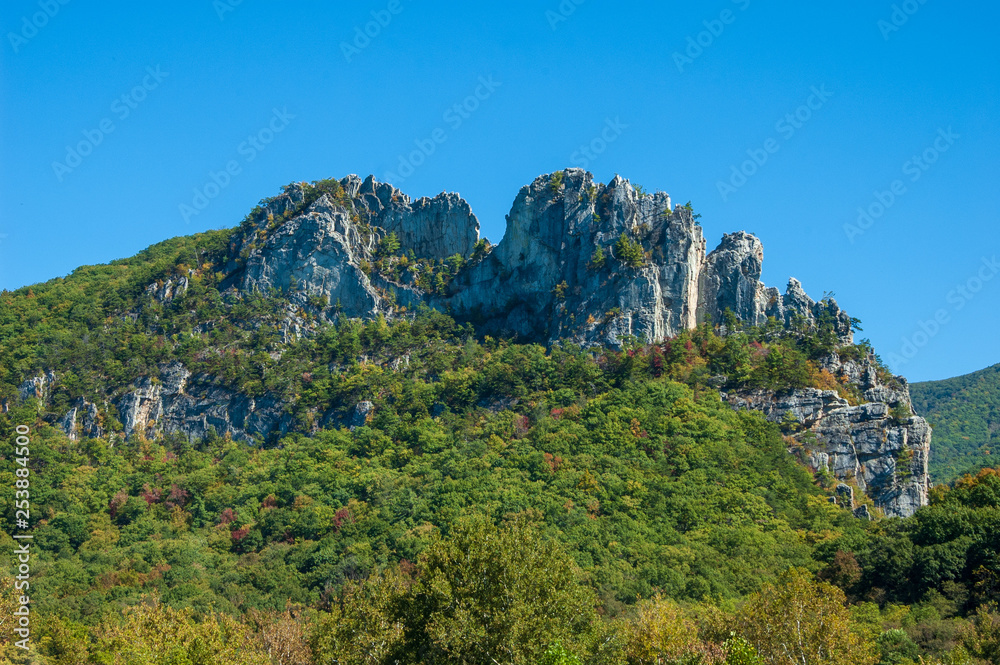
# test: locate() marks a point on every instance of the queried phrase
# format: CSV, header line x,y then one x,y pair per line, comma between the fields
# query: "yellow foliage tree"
x,y
799,621
8,603
282,635
981,638
360,628
660,633
153,634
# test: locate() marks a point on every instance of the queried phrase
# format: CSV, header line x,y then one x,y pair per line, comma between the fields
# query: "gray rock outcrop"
x,y
192,405
82,420
543,282
879,446
550,286
37,387
317,254
434,228
166,290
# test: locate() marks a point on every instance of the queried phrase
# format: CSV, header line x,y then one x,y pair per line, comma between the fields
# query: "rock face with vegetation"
x,y
580,261
867,436
179,403
353,431
599,265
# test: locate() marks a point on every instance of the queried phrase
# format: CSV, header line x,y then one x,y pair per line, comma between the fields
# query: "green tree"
x,y
556,654
480,250
556,182
629,252
388,246
361,627
493,595
597,259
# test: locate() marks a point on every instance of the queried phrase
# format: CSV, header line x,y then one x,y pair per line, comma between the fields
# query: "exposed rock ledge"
x,y
540,281
878,445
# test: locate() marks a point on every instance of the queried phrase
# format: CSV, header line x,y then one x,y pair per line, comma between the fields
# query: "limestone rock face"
x,y
82,419
731,280
554,275
433,228
179,402
168,290
38,387
872,444
317,254
542,283
324,253
795,306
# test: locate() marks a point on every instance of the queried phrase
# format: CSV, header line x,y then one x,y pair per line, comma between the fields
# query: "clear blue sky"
x,y
682,125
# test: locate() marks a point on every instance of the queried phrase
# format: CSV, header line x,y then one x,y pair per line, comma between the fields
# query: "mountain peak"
x,y
579,260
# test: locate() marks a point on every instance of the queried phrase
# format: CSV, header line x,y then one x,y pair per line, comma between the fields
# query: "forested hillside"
x,y
442,496
965,413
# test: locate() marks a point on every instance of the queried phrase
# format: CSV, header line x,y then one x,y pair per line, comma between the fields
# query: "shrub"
x,y
388,245
629,252
900,413
556,182
321,301
598,259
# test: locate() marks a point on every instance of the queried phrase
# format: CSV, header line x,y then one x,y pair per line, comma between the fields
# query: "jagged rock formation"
x,y
580,261
434,228
541,281
731,279
169,289
552,288
83,419
322,251
39,387
879,446
178,402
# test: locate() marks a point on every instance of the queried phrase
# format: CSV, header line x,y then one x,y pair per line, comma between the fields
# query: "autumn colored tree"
x,y
361,627
798,621
283,636
661,633
982,638
154,634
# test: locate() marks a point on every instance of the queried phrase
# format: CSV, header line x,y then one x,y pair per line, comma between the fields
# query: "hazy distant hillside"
x,y
965,413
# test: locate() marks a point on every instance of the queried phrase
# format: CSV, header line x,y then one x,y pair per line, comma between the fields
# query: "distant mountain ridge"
x,y
965,414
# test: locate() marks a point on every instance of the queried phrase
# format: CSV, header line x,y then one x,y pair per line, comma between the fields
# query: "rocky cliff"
x,y
582,261
875,443
554,275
